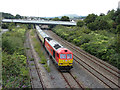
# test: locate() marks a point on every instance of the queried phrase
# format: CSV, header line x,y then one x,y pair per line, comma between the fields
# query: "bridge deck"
x,y
40,22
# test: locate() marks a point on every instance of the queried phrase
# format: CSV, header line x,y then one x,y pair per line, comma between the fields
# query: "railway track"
x,y
94,65
73,82
42,85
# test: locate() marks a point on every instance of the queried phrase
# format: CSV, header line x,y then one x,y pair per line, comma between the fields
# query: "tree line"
x,y
98,35
63,18
17,16
10,16
111,21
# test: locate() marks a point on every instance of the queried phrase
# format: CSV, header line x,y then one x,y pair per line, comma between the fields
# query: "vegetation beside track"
x,y
38,49
98,35
0,30
100,43
15,73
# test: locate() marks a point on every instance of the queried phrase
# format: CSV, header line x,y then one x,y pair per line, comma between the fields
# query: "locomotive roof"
x,y
63,50
54,44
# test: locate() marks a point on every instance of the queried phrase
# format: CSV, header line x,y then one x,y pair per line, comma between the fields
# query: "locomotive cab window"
x,y
63,56
57,55
69,56
53,53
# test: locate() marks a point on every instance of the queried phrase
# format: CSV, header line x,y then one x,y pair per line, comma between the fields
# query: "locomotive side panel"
x,y
57,57
50,50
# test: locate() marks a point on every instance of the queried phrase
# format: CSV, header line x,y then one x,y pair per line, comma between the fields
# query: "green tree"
x,y
118,38
80,23
56,19
103,25
98,25
116,14
5,26
7,15
118,29
111,13
17,16
102,14
118,19
65,18
90,18
92,26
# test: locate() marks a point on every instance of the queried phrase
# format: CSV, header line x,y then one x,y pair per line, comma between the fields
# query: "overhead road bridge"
x,y
39,22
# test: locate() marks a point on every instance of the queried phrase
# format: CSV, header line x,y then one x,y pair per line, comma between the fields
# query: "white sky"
x,y
49,8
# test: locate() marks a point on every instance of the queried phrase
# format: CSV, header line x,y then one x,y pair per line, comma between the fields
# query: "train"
x,y
62,57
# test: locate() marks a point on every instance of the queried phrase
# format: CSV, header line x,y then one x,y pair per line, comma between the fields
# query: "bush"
x,y
118,29
16,45
15,72
101,43
13,41
65,18
80,23
90,18
98,25
4,26
92,26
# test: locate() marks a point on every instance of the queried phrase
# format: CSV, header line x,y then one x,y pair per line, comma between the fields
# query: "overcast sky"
x,y
49,8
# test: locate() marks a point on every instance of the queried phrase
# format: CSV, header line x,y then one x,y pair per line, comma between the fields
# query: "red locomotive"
x,y
62,57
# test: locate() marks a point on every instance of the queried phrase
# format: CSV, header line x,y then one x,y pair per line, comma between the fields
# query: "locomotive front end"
x,y
65,59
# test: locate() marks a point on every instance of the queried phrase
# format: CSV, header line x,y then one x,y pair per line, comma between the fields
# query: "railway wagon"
x,y
62,57
41,34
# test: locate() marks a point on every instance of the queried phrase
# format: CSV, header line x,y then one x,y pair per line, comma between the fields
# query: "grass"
x,y
47,67
0,30
27,48
32,64
15,73
75,77
37,48
31,59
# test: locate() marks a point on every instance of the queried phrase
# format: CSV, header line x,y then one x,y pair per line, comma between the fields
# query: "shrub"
x,y
80,23
11,44
15,72
101,43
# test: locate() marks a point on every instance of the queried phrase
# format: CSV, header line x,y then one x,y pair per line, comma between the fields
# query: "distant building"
x,y
119,4
72,20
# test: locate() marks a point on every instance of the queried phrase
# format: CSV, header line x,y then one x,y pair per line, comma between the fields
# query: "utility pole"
x,y
119,4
